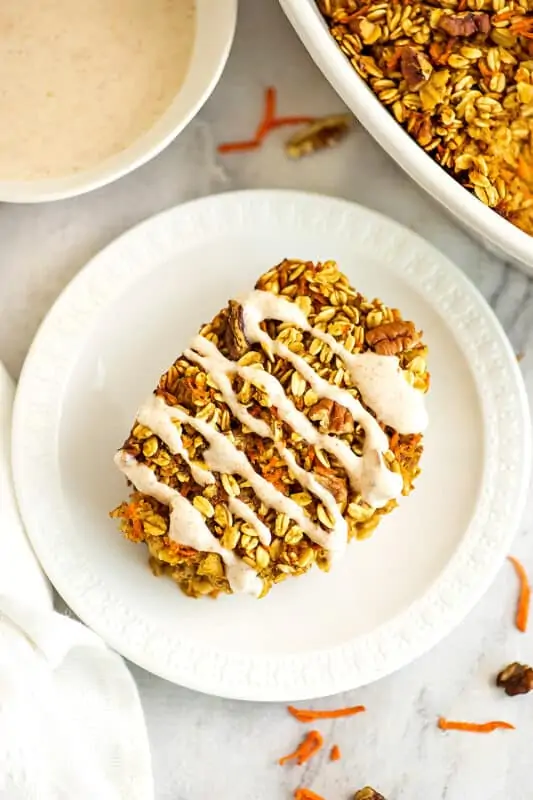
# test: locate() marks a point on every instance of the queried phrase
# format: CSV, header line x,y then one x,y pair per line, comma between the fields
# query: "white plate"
x,y
102,348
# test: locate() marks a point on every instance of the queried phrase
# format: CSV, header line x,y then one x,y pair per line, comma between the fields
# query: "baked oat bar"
x,y
290,426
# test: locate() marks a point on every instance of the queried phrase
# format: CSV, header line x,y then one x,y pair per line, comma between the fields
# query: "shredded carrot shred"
x,y
185,552
268,114
130,511
306,794
523,27
238,147
306,715
269,121
335,753
502,16
524,597
474,727
352,17
261,131
523,169
395,438
446,51
395,58
435,50
306,749
280,122
485,71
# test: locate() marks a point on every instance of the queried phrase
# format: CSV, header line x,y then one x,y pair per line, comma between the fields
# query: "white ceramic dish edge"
x,y
215,29
420,627
495,233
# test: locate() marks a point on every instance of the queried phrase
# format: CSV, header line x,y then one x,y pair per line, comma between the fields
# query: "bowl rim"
x,y
215,30
489,226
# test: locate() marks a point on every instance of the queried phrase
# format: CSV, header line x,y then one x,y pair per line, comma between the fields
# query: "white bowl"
x,y
495,233
215,27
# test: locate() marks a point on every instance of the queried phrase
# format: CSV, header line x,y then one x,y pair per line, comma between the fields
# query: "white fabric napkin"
x,y
71,723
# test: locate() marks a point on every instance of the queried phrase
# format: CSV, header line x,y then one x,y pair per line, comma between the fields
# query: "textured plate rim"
x,y
362,659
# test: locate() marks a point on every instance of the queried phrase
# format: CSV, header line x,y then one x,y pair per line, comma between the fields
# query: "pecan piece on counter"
x,y
323,132
467,24
331,416
235,338
416,68
392,338
368,794
516,679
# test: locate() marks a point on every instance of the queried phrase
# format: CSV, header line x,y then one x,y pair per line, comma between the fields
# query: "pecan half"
x,y
368,794
183,392
467,24
392,338
416,68
332,417
334,484
323,132
516,679
234,335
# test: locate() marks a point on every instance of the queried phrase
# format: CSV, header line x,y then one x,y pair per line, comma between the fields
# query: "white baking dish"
x,y
215,27
493,231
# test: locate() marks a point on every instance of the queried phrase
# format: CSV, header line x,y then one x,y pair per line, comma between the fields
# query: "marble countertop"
x,y
206,747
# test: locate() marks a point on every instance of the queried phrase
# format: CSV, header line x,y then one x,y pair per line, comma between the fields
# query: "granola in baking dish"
x,y
291,425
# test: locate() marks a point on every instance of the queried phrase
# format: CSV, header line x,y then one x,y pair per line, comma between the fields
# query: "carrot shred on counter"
x,y
524,597
269,113
268,122
473,727
280,122
335,753
306,794
238,147
306,749
306,715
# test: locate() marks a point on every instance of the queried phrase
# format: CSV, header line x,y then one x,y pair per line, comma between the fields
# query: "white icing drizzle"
x,y
162,426
223,456
242,510
187,525
377,486
379,378
382,386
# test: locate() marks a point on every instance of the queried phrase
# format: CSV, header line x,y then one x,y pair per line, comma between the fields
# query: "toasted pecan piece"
x,y
516,679
416,68
392,338
235,338
331,416
368,794
467,24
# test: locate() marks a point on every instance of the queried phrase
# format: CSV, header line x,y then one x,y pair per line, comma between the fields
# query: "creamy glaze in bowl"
x,y
496,234
214,29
